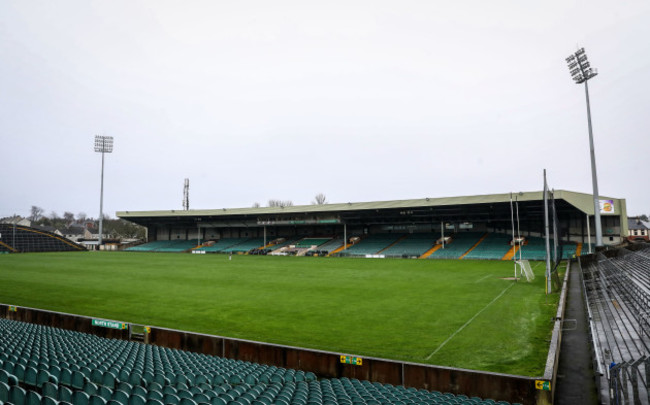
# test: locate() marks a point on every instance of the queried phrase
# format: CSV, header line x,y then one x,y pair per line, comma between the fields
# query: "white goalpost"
x,y
525,269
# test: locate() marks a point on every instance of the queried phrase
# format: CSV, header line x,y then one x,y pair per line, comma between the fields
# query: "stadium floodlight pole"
x,y
514,240
581,71
588,234
103,144
548,246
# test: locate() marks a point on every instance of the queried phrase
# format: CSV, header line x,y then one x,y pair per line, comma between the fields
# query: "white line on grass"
x,y
482,278
468,322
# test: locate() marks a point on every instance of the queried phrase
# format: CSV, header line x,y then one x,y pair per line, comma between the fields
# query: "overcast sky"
x,y
360,100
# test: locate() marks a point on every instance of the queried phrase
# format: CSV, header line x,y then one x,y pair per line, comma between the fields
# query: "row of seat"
x,y
164,246
414,245
49,366
371,244
26,239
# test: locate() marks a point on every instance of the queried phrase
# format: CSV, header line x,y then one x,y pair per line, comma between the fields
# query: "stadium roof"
x,y
581,201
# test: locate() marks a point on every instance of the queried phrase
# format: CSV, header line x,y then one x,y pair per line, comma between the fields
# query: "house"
x,y
638,230
16,220
76,232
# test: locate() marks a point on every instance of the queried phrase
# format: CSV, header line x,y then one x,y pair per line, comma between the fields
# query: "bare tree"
x,y
68,216
36,213
280,203
319,199
81,217
256,205
54,215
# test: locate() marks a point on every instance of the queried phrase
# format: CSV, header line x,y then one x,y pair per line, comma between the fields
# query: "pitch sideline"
x,y
468,322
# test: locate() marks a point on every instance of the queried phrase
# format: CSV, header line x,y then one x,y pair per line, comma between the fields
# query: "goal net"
x,y
526,271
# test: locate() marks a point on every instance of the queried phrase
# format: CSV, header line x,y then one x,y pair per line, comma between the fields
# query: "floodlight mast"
x,y
581,71
103,144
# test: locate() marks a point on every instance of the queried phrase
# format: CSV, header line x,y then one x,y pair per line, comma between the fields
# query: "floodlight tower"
x,y
103,144
581,72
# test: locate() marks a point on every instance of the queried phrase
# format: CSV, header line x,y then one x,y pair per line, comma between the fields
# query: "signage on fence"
x,y
109,324
13,308
351,360
543,385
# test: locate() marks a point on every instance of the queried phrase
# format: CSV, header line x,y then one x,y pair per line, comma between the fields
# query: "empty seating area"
x,y
493,247
535,249
331,246
246,245
164,246
617,290
42,365
309,242
221,245
371,244
23,239
414,245
289,241
461,243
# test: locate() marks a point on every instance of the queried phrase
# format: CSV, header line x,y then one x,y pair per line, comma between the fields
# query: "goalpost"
x,y
525,270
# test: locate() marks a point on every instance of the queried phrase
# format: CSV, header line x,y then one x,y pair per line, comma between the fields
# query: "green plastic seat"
x,y
78,380
171,399
49,401
155,394
105,393
19,372
187,401
33,398
65,378
65,394
108,380
139,390
218,401
50,390
121,397
30,376
135,399
4,392
90,388
96,400
80,398
17,395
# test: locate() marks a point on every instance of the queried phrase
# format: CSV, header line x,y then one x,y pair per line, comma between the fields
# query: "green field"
x,y
452,313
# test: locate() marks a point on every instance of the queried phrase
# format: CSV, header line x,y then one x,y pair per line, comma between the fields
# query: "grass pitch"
x,y
453,313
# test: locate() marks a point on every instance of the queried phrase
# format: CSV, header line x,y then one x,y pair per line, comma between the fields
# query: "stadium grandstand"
x,y
617,292
24,239
471,227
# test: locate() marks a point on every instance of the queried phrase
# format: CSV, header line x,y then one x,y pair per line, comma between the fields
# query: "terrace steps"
x,y
430,251
339,249
511,253
394,243
474,247
8,247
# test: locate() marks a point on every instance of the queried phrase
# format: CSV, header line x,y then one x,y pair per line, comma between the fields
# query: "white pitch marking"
x,y
468,322
483,278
